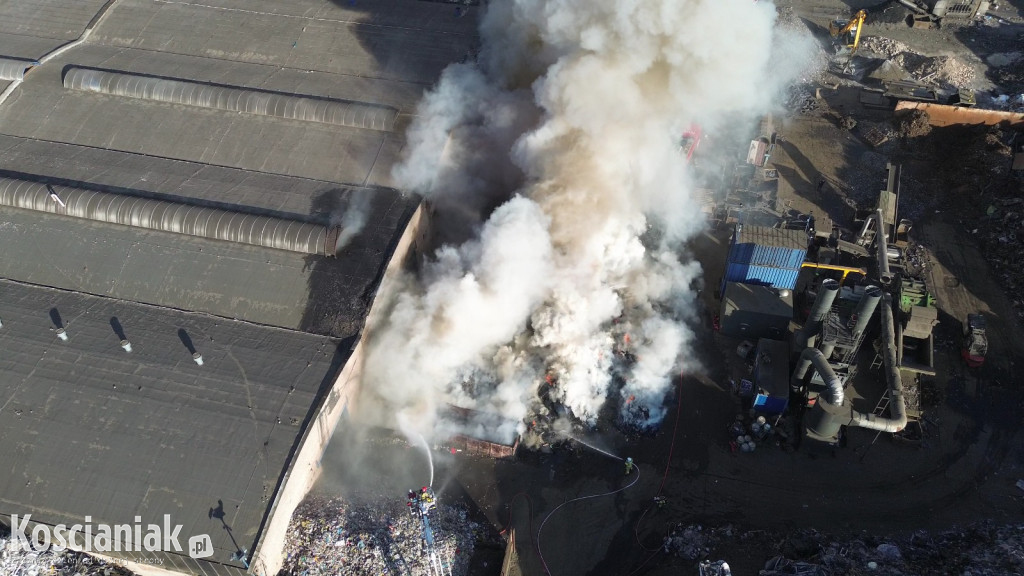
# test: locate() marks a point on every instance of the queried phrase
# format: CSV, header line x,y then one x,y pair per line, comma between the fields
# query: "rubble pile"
x,y
16,561
882,46
939,70
800,99
912,124
347,537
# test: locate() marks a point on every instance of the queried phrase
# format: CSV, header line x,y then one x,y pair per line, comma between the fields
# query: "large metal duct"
x,y
833,385
866,308
213,223
882,249
827,293
827,417
897,403
248,100
829,414
827,347
14,68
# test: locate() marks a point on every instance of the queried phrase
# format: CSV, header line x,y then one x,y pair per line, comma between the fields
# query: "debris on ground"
x,y
983,549
16,560
371,536
912,124
800,99
936,70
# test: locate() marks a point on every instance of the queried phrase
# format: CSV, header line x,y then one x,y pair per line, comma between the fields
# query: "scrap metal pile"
x,y
342,537
16,561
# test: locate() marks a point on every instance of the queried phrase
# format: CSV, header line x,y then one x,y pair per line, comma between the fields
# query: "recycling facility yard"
x,y
948,502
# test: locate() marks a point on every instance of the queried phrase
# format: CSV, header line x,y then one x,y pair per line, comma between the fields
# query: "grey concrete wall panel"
x,y
14,68
247,100
212,223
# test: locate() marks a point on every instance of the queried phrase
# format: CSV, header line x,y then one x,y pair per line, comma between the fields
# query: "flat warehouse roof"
x,y
89,429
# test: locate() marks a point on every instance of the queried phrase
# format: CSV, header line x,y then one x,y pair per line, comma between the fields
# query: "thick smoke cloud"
x,y
553,166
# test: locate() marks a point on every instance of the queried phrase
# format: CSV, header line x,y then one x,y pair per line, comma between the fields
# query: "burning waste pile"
x,y
17,561
331,536
562,290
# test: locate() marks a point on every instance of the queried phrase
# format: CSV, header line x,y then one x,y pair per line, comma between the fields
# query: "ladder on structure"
x,y
883,405
877,363
880,408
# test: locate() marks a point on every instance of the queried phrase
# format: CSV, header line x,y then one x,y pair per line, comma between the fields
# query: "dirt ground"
x,y
964,470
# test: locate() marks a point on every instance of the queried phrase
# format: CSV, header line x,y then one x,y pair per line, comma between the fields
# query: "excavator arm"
x,y
853,28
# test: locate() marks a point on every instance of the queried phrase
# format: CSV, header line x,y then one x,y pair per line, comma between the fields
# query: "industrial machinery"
x,y
929,13
975,341
847,33
421,505
689,142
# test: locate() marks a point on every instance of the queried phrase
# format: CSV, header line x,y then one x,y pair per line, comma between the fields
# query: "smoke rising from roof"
x,y
553,167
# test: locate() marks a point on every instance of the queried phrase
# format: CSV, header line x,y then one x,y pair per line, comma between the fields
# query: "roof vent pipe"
x,y
126,345
62,334
866,308
198,358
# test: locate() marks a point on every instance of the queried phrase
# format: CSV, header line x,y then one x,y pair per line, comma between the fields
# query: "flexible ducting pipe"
x,y
213,223
14,68
833,384
248,100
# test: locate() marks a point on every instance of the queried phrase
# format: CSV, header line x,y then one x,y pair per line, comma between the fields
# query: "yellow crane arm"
x,y
856,24
846,270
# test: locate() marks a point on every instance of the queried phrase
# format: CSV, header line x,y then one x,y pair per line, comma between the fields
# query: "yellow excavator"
x,y
848,32
846,35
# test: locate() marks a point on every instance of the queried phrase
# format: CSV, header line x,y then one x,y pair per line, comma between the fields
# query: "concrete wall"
x,y
305,467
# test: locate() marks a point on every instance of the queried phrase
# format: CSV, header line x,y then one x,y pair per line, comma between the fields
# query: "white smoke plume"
x,y
567,287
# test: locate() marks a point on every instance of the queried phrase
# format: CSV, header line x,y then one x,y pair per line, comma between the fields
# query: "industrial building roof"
x,y
773,366
774,237
757,299
89,429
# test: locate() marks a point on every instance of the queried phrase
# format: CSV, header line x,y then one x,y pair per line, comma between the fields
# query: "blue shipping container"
x,y
781,278
772,256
